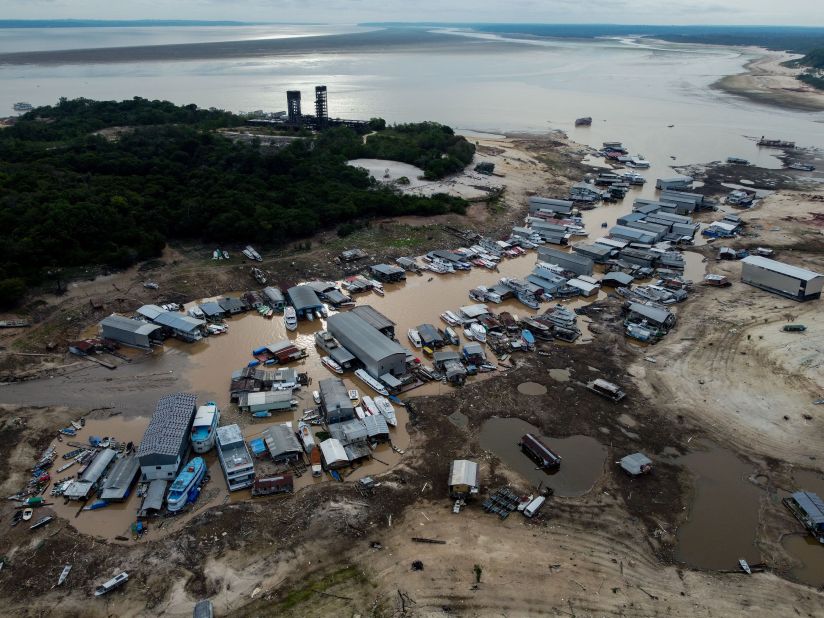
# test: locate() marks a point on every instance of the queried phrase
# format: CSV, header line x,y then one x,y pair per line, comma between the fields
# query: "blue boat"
x,y
253,363
204,427
188,479
529,338
259,351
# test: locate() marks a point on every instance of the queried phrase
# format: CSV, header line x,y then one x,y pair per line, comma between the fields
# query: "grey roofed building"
x,y
274,297
303,299
439,358
232,305
334,455
549,286
614,243
150,312
448,256
153,500
474,352
342,357
538,203
320,287
377,353
349,432
780,278
473,312
183,326
387,272
119,481
617,279
646,207
82,487
812,510
430,336
657,316
454,371
282,443
376,319
166,439
636,463
673,182
212,310
376,427
336,298
632,234
630,217
135,333
597,253
334,400
578,264
463,478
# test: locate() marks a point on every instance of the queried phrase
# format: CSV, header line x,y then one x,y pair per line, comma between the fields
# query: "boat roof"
x,y
779,267
205,414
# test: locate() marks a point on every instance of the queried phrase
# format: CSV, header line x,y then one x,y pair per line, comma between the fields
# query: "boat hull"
x,y
178,497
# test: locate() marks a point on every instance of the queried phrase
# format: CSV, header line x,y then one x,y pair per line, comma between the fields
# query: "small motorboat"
x,y
41,522
290,318
469,334
64,574
415,337
353,395
27,513
479,332
745,566
77,425
68,431
110,585
105,442
262,414
316,397
331,365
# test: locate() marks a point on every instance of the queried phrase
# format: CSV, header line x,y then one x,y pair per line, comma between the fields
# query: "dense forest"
x,y
71,197
814,62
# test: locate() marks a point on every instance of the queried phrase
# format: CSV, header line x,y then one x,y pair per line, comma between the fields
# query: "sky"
x,y
743,12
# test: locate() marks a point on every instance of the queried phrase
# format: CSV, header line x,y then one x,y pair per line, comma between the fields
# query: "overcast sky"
x,y
762,12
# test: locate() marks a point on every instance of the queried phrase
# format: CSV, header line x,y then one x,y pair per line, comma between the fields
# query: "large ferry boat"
x,y
186,481
204,427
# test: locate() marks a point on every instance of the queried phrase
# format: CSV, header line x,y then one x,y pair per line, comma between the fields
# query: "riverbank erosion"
x,y
768,81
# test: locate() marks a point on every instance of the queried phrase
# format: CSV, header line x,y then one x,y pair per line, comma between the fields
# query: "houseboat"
x,y
540,452
204,427
331,365
606,389
114,582
188,479
371,382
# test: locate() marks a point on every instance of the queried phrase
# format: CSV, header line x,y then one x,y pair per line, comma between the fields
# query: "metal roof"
x,y
428,333
617,277
376,426
475,311
599,250
372,316
547,254
655,314
361,338
812,506
334,395
129,325
98,466
349,432
445,355
273,294
387,269
268,397
341,355
229,434
281,440
303,297
231,304
120,479
333,451
170,425
463,472
212,308
150,312
179,322
153,500
779,267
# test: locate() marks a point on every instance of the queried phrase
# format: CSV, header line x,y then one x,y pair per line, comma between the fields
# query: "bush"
x,y
11,292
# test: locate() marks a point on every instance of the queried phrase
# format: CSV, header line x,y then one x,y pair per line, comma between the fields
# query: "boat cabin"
x,y
540,452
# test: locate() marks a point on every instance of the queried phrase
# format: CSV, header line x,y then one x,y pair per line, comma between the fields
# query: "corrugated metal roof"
x,y
362,339
120,479
129,325
333,451
150,312
812,505
169,426
349,432
334,395
212,308
372,316
281,440
475,311
547,254
779,267
273,294
376,426
153,500
463,472
179,322
655,314
387,269
303,297
617,277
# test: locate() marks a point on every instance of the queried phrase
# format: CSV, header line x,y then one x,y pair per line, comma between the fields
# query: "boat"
x,y
353,395
415,337
258,275
386,409
250,253
469,334
331,365
114,582
188,479
204,427
775,143
451,336
528,300
583,122
105,442
27,513
371,382
64,574
377,288
68,431
528,339
262,414
290,318
66,466
196,312
97,504
479,332
41,522
305,435
369,406
77,425
745,566
360,413
22,106
803,167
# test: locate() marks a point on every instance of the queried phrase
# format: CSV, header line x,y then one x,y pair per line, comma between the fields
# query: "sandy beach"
x,y
768,81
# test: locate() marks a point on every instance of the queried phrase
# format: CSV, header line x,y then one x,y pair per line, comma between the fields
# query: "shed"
x,y
375,319
282,443
572,262
474,353
166,439
267,401
809,509
212,310
181,326
586,288
274,298
387,273
377,428
780,278
617,279
91,477
153,500
304,299
130,332
377,353
119,481
431,337
463,479
597,253
333,454
636,464
334,401
656,316
613,243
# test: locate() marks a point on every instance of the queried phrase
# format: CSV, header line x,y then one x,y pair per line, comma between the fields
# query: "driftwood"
x,y
418,539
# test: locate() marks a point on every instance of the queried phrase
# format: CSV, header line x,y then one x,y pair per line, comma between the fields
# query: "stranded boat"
x,y
478,332
415,337
185,482
386,409
204,427
371,382
583,122
114,582
64,574
369,405
290,318
451,336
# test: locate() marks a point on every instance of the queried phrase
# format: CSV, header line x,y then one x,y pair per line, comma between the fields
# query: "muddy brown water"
x,y
560,375
810,553
723,516
583,457
532,388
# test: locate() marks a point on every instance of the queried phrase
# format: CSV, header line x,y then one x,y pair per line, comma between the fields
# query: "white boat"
x,y
360,413
369,406
371,382
187,481
353,394
316,397
331,365
290,318
114,582
469,334
217,329
414,337
638,162
450,318
387,410
305,434
377,287
479,332
204,427
64,574
196,312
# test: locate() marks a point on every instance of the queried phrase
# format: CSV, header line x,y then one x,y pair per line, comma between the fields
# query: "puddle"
x,y
583,457
559,375
723,516
532,388
810,553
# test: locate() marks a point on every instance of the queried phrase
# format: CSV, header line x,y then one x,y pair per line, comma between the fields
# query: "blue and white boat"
x,y
204,427
187,481
528,338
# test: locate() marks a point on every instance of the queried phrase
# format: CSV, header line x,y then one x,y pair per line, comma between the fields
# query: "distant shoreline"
x,y
767,81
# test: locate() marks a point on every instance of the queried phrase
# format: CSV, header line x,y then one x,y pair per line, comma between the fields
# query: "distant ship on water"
x,y
23,107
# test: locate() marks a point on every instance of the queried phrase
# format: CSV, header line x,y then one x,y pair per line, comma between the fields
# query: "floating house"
x,y
89,481
656,317
166,439
378,354
153,499
120,480
387,273
631,234
808,508
282,444
233,306
212,311
235,460
617,279
464,479
674,182
540,452
431,337
560,207
572,262
174,324
274,298
333,454
783,279
334,401
597,253
270,485
304,299
130,332
266,401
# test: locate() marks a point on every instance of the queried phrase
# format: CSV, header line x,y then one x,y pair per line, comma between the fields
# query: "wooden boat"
x,y
745,566
68,431
64,574
41,522
27,513
66,466
114,582
331,365
77,425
